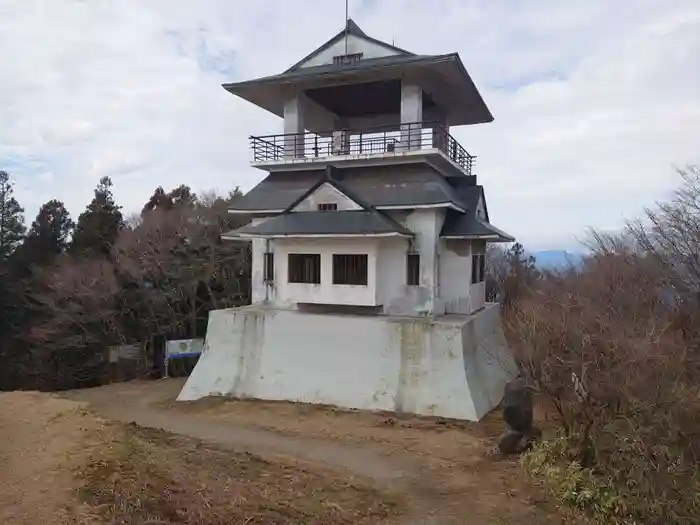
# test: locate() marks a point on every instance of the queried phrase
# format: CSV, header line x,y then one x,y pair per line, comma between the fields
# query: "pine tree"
x,y
99,225
12,227
48,236
180,196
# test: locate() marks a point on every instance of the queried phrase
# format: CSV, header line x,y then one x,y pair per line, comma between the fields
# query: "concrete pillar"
x,y
411,115
294,127
259,288
427,225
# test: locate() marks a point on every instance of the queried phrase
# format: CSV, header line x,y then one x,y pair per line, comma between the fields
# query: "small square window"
x,y
412,269
350,269
328,206
304,268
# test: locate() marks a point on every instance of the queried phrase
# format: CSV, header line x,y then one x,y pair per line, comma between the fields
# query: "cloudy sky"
x,y
595,101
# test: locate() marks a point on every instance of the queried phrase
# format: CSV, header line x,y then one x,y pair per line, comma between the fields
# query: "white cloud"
x,y
595,101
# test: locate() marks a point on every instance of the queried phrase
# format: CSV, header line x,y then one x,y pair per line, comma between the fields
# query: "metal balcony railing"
x,y
384,140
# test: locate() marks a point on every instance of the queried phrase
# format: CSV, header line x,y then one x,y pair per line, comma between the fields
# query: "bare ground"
x,y
126,453
41,438
418,470
61,464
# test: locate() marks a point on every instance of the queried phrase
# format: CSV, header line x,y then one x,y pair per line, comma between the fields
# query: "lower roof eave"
x,y
248,236
234,211
491,238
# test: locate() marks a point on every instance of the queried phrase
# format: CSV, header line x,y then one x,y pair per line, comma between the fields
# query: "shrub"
x,y
618,362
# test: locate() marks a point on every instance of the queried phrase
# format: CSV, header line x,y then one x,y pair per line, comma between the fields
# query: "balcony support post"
x,y
411,115
441,131
294,127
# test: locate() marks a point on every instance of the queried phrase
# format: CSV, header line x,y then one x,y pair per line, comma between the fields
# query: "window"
x,y
478,262
328,206
269,267
412,269
304,268
350,269
343,60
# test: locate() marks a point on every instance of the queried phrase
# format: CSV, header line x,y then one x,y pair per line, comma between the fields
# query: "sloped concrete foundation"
x,y
453,366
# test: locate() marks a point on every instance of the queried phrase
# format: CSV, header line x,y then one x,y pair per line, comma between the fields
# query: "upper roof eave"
x,y
330,71
265,91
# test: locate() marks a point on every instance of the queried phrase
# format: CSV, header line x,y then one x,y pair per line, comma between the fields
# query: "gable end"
x,y
358,44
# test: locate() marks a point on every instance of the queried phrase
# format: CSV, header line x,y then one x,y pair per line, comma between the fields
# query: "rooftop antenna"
x,y
347,17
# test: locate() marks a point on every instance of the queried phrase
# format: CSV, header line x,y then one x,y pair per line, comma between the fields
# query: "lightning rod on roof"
x,y
347,17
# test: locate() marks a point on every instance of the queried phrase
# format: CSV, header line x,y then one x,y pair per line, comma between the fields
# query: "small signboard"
x,y
182,349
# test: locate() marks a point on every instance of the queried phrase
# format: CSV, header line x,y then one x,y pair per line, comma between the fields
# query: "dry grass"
x,y
40,439
146,477
60,464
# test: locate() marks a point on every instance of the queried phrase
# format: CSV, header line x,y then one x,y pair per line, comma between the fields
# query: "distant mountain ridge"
x,y
556,259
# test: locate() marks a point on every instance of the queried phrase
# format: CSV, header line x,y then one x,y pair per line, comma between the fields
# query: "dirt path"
x,y
445,469
143,404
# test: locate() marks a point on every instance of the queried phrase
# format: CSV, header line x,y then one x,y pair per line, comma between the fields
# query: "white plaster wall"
x,y
259,290
452,367
391,284
327,194
287,294
477,295
395,295
455,275
355,45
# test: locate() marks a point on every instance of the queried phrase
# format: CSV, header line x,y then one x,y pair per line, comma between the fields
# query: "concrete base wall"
x,y
453,366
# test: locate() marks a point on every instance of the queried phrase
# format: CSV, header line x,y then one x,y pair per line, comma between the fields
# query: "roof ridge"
x,y
353,28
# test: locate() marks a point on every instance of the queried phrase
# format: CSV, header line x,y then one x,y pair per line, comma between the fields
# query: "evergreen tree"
x,y
48,236
12,227
99,225
180,196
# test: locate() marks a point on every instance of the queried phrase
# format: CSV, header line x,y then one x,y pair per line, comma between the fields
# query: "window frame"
x,y
477,265
413,272
343,262
348,59
269,267
478,262
304,274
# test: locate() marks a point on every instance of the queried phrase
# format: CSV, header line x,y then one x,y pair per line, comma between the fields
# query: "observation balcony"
x,y
378,145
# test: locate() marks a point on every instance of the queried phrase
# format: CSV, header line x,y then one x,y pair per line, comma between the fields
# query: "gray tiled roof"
x,y
407,185
363,65
364,222
468,224
464,225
